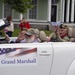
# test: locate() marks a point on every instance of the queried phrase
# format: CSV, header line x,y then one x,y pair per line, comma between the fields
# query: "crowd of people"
x,y
32,35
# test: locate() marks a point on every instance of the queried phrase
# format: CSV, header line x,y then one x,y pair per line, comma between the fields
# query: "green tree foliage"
x,y
20,6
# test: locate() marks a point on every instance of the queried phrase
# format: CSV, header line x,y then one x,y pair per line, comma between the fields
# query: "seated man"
x,y
28,36
63,34
60,34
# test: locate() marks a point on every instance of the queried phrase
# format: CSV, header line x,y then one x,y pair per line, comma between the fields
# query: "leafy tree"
x,y
20,6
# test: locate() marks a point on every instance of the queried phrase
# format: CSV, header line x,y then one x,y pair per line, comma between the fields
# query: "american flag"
x,y
11,52
56,23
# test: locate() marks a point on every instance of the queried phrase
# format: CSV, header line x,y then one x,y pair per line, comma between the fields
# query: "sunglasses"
x,y
28,35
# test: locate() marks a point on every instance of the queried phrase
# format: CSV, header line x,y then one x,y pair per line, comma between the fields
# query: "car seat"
x,y
71,33
43,36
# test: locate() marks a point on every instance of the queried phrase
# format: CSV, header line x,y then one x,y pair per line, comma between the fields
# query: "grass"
x,y
17,31
48,32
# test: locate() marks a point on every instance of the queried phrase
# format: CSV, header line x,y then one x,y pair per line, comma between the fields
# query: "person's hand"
x,y
56,28
5,29
48,39
20,38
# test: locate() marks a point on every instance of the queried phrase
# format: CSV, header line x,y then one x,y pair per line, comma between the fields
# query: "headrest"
x,y
70,32
43,36
37,32
74,32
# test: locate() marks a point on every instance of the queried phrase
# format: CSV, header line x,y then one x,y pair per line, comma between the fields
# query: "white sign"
x,y
18,56
1,22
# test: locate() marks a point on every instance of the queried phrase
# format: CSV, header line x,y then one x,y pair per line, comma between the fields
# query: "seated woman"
x,y
24,24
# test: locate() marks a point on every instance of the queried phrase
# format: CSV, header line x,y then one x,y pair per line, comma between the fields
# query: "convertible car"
x,y
53,58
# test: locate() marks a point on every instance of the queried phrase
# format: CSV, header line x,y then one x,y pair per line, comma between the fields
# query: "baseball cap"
x,y
63,26
30,31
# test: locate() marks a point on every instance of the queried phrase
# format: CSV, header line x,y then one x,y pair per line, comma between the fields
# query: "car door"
x,y
64,58
29,59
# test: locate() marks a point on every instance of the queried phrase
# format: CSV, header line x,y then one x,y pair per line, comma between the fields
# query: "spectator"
x,y
24,24
9,29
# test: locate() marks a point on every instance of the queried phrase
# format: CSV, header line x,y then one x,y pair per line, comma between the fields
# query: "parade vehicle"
x,y
37,58
48,58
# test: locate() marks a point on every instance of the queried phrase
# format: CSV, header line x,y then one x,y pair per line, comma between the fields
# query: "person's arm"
x,y
7,38
52,35
21,27
28,25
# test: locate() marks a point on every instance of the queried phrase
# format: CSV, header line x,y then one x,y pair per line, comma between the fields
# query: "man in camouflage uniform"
x,y
60,34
